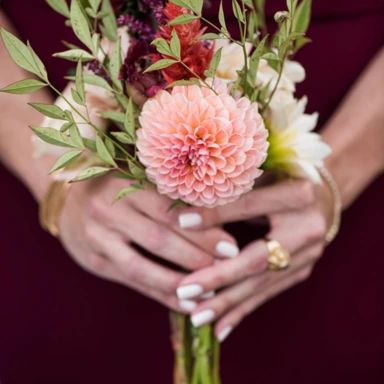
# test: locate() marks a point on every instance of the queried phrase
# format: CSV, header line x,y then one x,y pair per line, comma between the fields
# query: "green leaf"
x,y
60,6
91,173
222,16
127,191
109,27
192,81
162,46
255,60
24,86
175,44
80,25
103,152
75,55
110,146
49,110
123,137
75,136
211,36
183,19
38,63
197,6
115,65
129,121
66,159
79,82
302,16
183,3
20,53
161,64
52,136
95,4
214,63
76,97
93,80
114,116
136,170
237,11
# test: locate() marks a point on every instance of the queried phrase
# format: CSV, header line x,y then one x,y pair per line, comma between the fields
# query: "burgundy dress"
x,y
61,325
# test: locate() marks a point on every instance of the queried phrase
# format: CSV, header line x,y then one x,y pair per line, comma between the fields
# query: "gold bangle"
x,y
52,206
337,204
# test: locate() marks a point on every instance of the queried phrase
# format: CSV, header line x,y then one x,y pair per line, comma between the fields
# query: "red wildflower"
x,y
195,53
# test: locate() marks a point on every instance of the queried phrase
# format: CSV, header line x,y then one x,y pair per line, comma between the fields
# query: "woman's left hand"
x,y
299,214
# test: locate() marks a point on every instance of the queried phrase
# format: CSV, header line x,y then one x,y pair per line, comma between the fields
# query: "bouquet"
x,y
162,95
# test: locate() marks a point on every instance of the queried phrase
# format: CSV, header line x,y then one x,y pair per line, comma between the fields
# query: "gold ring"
x,y
279,258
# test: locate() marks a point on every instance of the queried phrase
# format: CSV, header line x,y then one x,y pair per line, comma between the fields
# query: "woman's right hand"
x,y
99,236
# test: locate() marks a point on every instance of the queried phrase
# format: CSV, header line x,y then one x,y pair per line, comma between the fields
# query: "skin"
x,y
358,158
99,236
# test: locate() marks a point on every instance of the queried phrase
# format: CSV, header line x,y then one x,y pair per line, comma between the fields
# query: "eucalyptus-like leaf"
x,y
79,82
110,146
222,16
80,25
91,173
130,120
76,97
20,53
162,46
214,63
93,80
137,170
161,64
53,136
211,36
175,45
302,16
127,191
49,110
66,159
114,116
109,27
123,137
183,3
255,60
103,152
183,19
192,81
237,11
24,86
75,136
38,63
60,6
115,65
95,4
197,6
75,55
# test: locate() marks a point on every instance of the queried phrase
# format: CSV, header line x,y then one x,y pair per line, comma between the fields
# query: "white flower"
x,y
232,59
294,147
293,72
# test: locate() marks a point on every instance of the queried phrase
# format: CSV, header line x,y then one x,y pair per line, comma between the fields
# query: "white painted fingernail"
x,y
189,291
224,334
187,305
203,317
208,295
190,220
227,249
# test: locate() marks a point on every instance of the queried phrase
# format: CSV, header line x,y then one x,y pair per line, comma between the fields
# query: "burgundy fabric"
x,y
58,324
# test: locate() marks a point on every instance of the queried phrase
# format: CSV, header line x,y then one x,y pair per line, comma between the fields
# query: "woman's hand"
x,y
99,235
299,214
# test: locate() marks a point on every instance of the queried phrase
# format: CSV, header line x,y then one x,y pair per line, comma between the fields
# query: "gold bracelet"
x,y
337,204
52,206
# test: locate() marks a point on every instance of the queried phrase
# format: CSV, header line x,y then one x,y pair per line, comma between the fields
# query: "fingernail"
x,y
189,291
227,249
224,334
208,295
190,220
203,317
187,305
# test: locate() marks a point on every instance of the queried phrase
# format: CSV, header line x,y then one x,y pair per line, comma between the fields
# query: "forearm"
x,y
16,149
356,133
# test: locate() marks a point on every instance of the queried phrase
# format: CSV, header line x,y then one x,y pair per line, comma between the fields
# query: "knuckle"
x,y
96,209
95,263
156,237
218,279
304,274
199,260
256,264
305,193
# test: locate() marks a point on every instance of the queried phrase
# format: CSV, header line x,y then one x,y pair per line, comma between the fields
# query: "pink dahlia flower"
x,y
202,148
